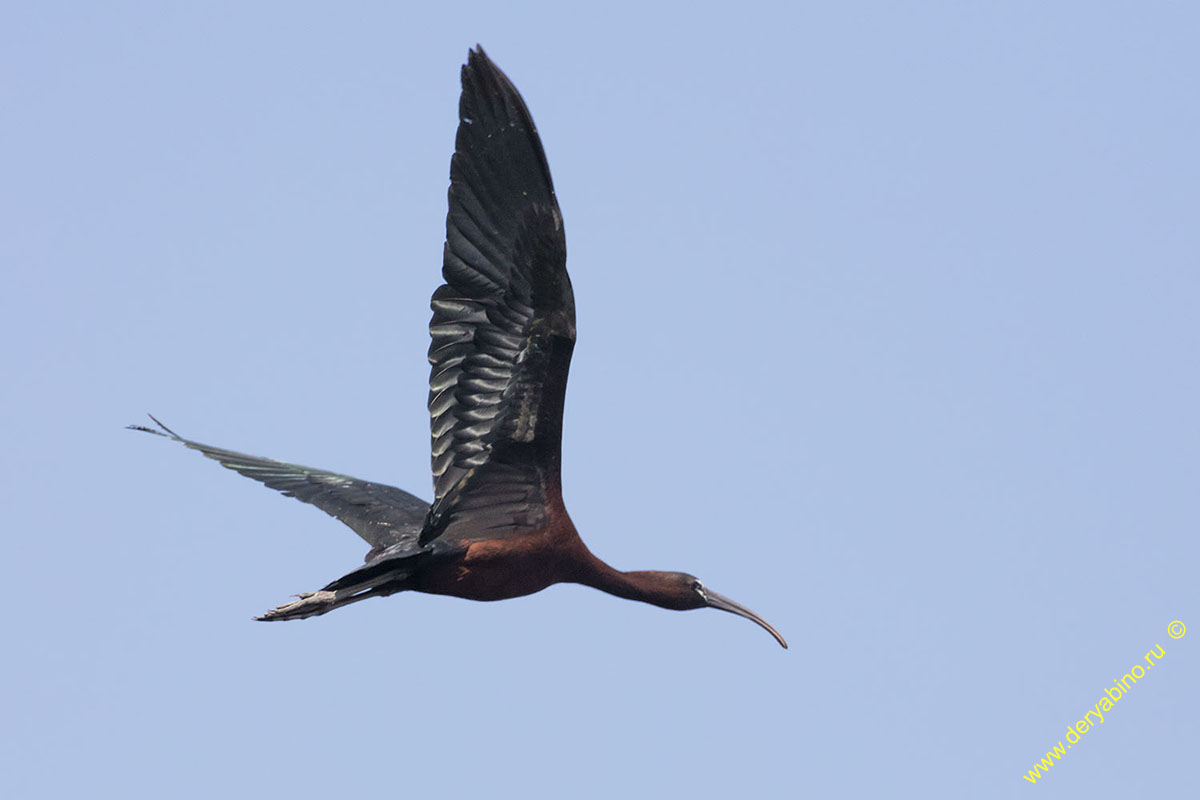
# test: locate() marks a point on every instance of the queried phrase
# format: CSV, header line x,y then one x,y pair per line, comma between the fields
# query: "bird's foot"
x,y
308,604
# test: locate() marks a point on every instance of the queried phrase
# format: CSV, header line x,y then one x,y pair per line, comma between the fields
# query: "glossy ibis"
x,y
503,329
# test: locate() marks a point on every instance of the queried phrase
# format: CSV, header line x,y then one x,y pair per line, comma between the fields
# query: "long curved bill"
x,y
722,602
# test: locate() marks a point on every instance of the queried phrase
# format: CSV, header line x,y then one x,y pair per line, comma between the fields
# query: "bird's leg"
x,y
373,579
314,604
308,604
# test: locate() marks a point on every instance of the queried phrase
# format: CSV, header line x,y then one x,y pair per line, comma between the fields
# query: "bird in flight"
x,y
502,332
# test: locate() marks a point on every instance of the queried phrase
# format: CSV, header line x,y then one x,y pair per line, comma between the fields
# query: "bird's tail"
x,y
377,579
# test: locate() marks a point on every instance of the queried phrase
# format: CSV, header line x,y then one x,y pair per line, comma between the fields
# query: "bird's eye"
x,y
698,588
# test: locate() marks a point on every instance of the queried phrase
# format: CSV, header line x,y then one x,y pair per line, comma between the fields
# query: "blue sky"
x,y
887,329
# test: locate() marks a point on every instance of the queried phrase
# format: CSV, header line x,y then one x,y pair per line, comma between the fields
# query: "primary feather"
x,y
387,518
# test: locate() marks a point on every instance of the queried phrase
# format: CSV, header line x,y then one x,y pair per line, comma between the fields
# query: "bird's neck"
x,y
645,586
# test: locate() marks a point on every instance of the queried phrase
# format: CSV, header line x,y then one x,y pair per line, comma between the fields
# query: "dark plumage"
x,y
502,332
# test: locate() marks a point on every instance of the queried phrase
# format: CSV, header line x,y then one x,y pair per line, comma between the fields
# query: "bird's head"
x,y
681,592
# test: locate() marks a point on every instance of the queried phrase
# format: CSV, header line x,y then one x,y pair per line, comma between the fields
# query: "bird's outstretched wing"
x,y
387,518
503,324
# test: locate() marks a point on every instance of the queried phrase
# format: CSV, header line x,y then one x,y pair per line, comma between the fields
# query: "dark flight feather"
x,y
504,322
387,518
